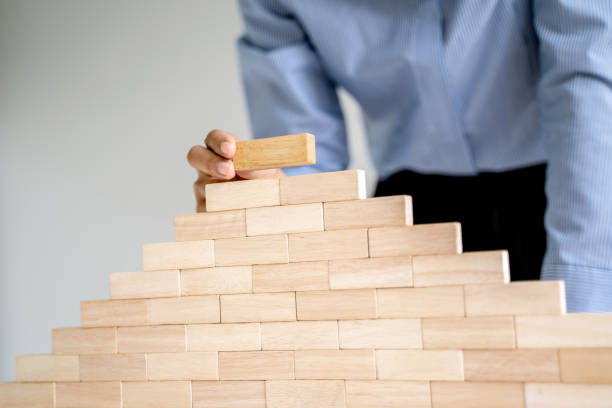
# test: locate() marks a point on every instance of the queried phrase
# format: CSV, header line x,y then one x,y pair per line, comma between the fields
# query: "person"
x,y
496,114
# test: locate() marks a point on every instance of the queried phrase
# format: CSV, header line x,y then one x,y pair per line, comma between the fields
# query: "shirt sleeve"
x,y
575,108
287,90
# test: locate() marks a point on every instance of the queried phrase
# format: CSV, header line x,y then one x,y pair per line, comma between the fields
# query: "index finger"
x,y
222,143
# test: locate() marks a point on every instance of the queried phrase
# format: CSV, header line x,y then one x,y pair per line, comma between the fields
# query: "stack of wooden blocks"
x,y
300,292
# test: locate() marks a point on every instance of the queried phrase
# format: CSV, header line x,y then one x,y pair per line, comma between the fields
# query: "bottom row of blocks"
x,y
303,394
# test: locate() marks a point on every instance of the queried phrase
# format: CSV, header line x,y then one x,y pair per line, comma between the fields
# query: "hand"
x,y
214,164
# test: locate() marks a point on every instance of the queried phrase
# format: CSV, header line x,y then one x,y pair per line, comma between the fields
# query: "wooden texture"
x,y
380,334
390,211
184,310
109,313
228,394
84,341
299,335
336,304
538,365
540,395
420,302
388,394
284,219
461,269
182,366
258,307
335,365
159,394
275,152
242,194
424,239
318,246
370,273
420,365
477,395
572,330
586,365
113,367
88,395
20,395
323,187
218,280
289,277
224,337
152,339
269,249
305,394
516,298
468,333
151,284
40,367
178,255
256,365
210,225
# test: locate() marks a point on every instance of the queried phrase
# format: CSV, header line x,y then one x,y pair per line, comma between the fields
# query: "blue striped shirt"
x,y
455,87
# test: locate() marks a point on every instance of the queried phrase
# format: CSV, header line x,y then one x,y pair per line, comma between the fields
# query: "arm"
x,y
575,106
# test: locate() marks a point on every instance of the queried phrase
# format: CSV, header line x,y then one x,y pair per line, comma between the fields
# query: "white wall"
x,y
99,102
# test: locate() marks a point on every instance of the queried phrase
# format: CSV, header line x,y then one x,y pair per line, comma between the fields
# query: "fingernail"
x,y
222,168
226,148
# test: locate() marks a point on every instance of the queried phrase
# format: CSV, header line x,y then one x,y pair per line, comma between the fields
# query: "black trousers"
x,y
496,210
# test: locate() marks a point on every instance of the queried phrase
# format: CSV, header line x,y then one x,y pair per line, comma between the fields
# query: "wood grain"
x,y
388,394
113,367
542,395
201,365
236,195
284,219
323,187
89,395
586,365
443,301
41,367
305,394
21,395
224,337
469,333
477,395
228,394
335,365
390,211
109,313
423,239
420,365
318,246
218,280
370,273
537,365
178,255
210,225
184,310
256,365
297,276
84,341
571,330
299,335
380,334
152,339
336,304
268,249
258,307
158,394
275,152
143,285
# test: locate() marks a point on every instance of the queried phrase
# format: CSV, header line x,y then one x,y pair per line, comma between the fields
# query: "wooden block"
x,y
420,365
228,394
336,304
291,277
468,333
392,211
109,313
305,394
39,368
174,394
218,280
242,194
370,273
224,337
178,255
284,219
89,395
572,330
209,225
567,395
586,365
387,394
139,285
516,298
461,269
256,365
15,395
267,249
424,239
380,334
152,339
299,335
258,307
182,366
113,367
184,310
275,152
325,245
511,365
477,395
84,341
335,365
323,187
444,301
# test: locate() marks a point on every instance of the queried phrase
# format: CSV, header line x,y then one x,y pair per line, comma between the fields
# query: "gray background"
x,y
99,103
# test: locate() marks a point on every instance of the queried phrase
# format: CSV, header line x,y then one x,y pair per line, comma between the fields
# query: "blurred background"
x,y
100,100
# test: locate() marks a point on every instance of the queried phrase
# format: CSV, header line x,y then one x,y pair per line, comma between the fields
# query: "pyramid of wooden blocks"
x,y
301,292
